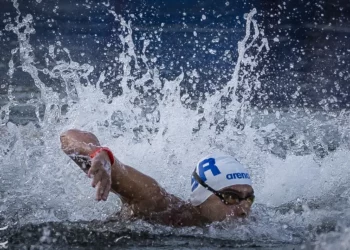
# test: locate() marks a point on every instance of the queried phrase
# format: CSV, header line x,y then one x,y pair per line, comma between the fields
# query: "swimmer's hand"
x,y
100,171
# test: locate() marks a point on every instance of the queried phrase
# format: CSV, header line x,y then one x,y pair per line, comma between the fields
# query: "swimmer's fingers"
x,y
101,178
103,188
95,167
97,178
107,189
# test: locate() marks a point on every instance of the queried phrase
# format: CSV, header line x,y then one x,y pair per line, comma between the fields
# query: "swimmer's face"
x,y
215,210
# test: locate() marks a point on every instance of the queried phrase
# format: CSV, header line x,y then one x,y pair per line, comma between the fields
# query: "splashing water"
x,y
298,158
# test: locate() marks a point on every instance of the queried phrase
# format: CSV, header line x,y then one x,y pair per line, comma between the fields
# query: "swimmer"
x,y
220,186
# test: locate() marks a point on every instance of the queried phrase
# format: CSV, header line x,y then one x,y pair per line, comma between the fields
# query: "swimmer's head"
x,y
221,188
216,172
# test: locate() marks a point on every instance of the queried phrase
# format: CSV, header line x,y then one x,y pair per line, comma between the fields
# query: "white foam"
x,y
42,181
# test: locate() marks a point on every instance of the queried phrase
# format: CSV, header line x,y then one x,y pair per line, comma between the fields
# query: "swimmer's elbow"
x,y
69,133
74,139
66,140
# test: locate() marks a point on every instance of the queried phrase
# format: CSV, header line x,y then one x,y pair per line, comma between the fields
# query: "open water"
x,y
163,83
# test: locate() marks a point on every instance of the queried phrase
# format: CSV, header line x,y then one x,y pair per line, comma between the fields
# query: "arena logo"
x,y
237,176
3,245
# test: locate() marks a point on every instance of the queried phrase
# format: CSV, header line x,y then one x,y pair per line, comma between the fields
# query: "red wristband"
x,y
108,151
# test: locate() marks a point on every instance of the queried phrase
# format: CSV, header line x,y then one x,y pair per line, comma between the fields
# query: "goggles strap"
x,y
200,181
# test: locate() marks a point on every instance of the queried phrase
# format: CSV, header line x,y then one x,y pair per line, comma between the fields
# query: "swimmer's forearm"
x,y
138,189
134,187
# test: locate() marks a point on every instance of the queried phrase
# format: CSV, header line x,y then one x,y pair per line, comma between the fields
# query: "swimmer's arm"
x,y
78,145
140,191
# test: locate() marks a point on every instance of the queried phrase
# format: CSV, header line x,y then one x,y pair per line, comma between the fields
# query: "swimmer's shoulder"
x,y
180,214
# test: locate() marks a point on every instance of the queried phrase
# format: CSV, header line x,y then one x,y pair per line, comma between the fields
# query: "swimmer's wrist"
x,y
98,150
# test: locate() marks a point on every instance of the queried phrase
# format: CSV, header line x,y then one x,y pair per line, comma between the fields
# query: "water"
x,y
146,89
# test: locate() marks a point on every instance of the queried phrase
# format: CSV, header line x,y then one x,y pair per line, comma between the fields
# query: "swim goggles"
x,y
229,197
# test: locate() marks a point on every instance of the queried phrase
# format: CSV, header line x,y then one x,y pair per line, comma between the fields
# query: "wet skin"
x,y
215,210
141,195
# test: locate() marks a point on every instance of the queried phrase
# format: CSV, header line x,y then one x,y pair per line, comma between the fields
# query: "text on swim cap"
x,y
237,176
203,166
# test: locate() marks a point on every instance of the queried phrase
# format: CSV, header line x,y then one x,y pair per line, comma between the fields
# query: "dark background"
x,y
306,67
